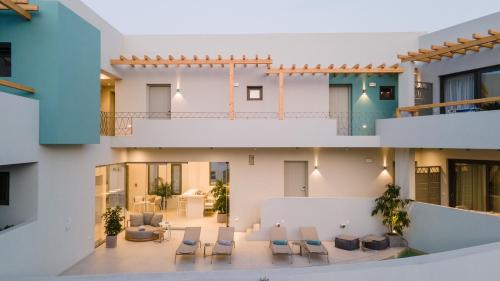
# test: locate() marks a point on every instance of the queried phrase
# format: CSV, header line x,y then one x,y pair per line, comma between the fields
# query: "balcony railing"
x,y
454,106
348,123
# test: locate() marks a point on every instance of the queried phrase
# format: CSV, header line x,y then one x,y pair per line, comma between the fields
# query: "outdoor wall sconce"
x,y
363,93
385,168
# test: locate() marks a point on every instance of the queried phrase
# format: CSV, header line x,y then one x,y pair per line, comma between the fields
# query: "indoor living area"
x,y
180,191
461,178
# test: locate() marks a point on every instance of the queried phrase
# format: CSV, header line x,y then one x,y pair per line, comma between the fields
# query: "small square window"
x,y
387,92
254,93
5,59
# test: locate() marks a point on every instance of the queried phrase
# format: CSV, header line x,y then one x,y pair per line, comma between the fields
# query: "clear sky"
x,y
287,16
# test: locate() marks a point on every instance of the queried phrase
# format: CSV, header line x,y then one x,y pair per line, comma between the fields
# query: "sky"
x,y
287,16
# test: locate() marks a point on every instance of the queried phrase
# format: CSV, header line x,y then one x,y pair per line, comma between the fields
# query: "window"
x,y
5,59
475,185
219,171
473,84
386,92
4,188
254,93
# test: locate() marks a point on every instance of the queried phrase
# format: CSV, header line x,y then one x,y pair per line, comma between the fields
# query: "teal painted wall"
x,y
58,54
365,110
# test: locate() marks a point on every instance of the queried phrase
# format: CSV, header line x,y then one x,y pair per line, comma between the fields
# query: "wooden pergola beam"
x,y
20,7
16,86
188,62
369,69
448,49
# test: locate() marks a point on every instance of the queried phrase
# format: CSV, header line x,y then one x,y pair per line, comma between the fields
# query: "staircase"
x,y
252,231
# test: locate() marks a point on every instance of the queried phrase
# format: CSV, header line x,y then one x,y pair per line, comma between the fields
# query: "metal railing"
x,y
348,123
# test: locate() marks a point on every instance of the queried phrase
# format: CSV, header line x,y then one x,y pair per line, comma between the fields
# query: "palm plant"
x,y
163,189
393,210
221,195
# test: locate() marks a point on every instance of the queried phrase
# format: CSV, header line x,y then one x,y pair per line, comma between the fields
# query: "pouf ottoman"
x,y
347,242
375,242
141,234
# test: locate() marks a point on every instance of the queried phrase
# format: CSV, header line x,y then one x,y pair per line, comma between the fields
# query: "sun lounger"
x,y
224,244
279,243
190,243
311,244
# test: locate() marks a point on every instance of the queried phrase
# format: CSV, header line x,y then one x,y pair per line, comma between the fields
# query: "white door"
x,y
340,108
296,179
159,103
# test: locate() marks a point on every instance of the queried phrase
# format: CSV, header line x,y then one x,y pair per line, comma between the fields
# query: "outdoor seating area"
x,y
216,247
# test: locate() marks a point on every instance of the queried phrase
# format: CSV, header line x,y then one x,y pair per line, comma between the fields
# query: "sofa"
x,y
143,226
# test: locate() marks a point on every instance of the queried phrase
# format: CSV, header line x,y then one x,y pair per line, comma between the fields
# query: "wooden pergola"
x,y
200,62
450,49
21,7
331,69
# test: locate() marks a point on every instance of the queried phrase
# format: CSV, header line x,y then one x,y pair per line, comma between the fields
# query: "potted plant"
x,y
113,225
164,190
393,210
221,204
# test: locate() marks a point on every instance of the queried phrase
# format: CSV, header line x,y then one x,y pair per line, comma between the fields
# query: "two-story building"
x,y
93,119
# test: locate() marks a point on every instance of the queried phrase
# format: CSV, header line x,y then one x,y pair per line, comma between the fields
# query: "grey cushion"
x,y
155,221
136,219
147,217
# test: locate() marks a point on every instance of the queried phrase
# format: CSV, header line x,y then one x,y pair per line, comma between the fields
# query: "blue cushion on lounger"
x,y
225,242
280,242
313,242
189,242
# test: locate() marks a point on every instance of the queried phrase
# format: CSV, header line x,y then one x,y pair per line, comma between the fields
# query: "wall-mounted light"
x,y
364,126
316,167
178,91
363,93
385,168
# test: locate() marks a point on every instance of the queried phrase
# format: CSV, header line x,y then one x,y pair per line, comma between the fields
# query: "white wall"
x,y
474,130
207,89
326,214
19,127
341,172
23,195
435,228
308,132
64,226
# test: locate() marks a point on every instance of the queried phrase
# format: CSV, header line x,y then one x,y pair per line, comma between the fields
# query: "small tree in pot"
x,y
113,225
393,210
221,204
164,190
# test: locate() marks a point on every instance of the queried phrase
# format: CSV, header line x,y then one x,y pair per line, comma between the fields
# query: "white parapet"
x,y
239,133
472,130
18,129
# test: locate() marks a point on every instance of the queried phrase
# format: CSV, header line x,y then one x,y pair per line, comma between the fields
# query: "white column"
x,y
405,171
406,85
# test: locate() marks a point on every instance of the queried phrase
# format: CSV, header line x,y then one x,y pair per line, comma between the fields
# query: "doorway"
x,y
340,108
296,179
159,101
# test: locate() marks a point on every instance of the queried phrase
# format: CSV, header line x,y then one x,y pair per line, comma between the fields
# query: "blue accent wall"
x,y
366,109
58,54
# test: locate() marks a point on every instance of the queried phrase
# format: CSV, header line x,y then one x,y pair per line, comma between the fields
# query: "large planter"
x,y
111,241
396,240
221,218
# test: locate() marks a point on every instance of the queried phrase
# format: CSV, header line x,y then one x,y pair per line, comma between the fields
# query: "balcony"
x,y
466,125
248,129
